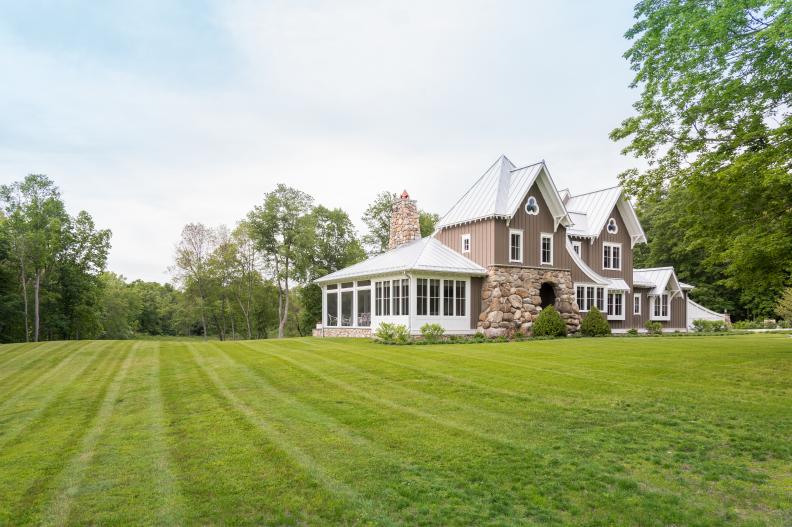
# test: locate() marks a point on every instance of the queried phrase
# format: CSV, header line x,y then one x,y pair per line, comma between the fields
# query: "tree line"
x,y
251,281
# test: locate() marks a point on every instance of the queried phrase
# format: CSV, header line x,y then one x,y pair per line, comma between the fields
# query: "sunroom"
x,y
420,282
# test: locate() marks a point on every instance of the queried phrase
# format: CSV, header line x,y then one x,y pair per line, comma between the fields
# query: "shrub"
x,y
747,324
549,324
392,333
654,328
784,324
432,332
709,326
479,337
632,331
769,324
594,324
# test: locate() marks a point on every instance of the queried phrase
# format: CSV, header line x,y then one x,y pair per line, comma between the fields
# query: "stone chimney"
x,y
405,226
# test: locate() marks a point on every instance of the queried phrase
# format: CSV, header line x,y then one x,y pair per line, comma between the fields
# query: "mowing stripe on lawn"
x,y
172,507
389,403
20,424
9,351
294,453
47,351
70,479
43,377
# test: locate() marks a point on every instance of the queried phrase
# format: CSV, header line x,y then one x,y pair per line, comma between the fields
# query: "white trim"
x,y
579,245
653,302
465,238
542,237
522,245
640,303
607,304
584,308
621,253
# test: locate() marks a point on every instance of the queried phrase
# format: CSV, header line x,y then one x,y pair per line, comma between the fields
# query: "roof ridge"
x,y
654,268
595,191
526,166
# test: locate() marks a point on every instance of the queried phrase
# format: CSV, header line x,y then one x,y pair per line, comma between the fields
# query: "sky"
x,y
153,114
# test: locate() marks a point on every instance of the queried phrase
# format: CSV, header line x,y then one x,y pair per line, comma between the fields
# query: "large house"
x,y
512,245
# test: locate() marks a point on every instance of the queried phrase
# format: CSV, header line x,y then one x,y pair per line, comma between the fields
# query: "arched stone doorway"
x,y
547,294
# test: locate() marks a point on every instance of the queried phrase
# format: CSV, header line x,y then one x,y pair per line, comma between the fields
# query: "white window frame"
x,y
607,306
518,232
542,237
577,246
613,221
465,239
621,254
653,301
594,287
441,313
525,208
637,296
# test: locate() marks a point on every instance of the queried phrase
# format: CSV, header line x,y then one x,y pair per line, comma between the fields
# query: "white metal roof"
x,y
590,212
696,311
662,279
500,191
426,254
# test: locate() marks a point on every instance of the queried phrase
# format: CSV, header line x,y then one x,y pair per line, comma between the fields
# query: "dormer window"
x,y
532,206
612,227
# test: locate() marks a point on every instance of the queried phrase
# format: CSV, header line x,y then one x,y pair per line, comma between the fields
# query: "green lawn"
x,y
619,431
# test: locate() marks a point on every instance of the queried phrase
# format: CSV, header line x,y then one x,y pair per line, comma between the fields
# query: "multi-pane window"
x,y
546,249
461,298
637,304
576,247
405,296
515,245
434,297
660,309
588,296
448,298
466,243
422,295
397,300
615,304
611,256
382,298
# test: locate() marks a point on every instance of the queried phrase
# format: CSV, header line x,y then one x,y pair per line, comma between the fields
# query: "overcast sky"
x,y
153,114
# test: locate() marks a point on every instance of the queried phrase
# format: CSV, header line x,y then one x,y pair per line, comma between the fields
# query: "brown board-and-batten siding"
x,y
476,304
481,240
677,309
593,255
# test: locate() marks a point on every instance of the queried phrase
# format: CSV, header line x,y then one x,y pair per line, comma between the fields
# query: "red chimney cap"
x,y
404,195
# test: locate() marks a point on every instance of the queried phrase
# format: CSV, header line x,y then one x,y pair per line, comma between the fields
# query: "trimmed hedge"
x,y
594,324
549,324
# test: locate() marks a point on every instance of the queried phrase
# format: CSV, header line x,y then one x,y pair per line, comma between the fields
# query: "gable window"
x,y
637,304
612,227
532,206
576,247
422,295
546,249
660,307
611,256
587,296
434,297
615,305
515,245
466,243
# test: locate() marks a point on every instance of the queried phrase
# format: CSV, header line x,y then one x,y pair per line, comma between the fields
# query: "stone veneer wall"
x,y
510,299
343,332
405,223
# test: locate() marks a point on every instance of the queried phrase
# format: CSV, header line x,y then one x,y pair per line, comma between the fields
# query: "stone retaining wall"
x,y
511,301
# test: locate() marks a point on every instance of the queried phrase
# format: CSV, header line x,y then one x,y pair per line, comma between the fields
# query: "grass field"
x,y
646,431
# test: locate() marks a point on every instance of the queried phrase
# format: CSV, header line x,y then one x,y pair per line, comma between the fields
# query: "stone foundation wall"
x,y
343,332
511,301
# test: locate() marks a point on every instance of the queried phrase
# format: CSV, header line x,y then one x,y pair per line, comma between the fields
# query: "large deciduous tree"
x,y
192,266
714,125
276,226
